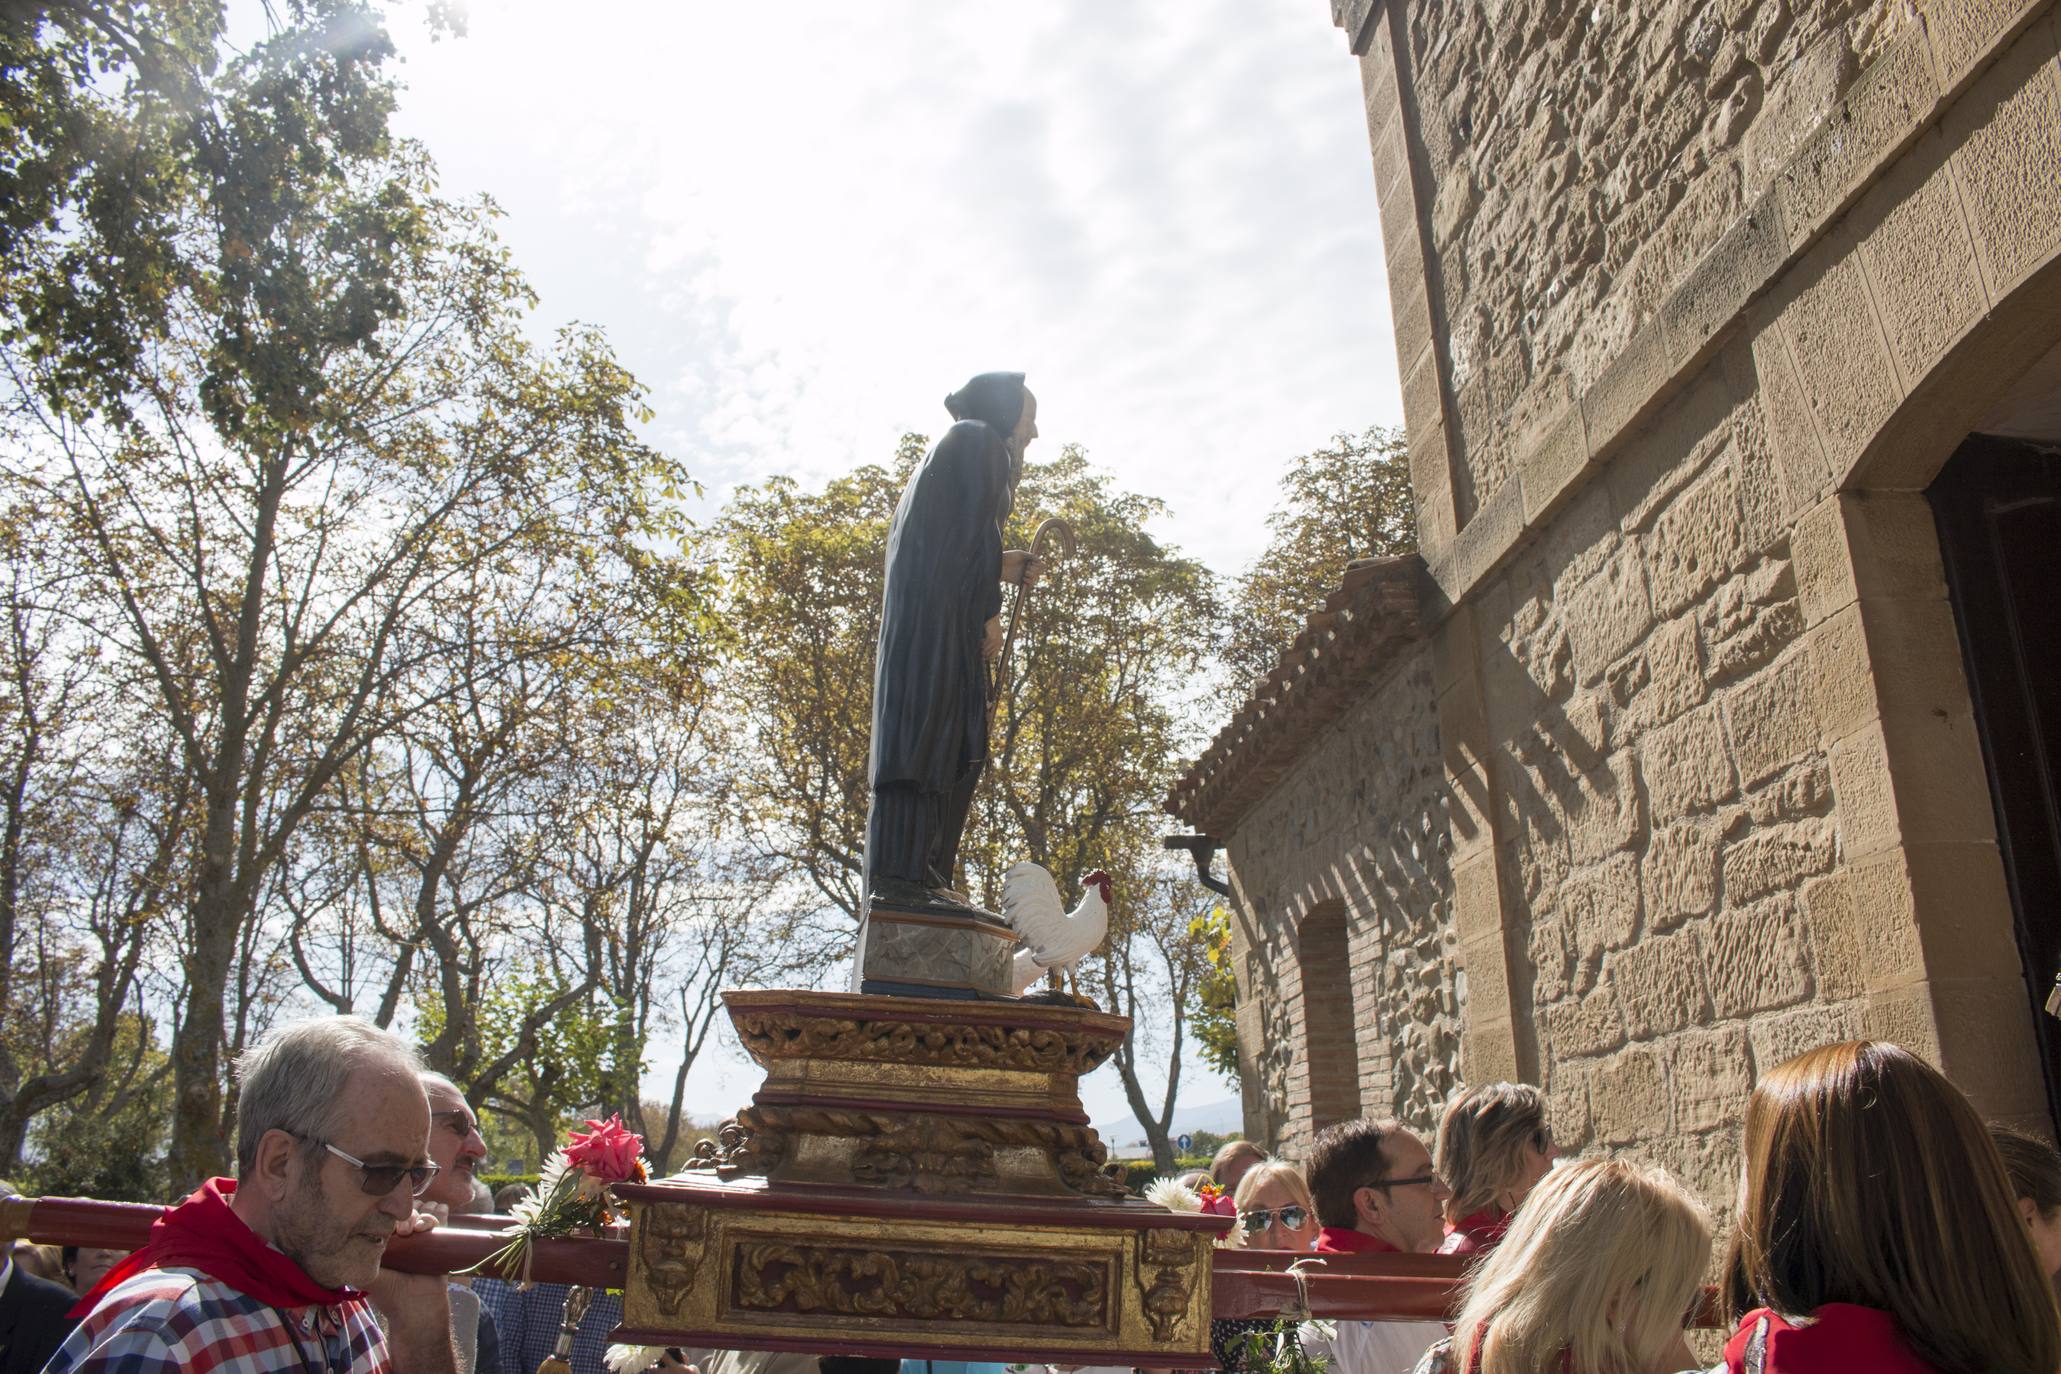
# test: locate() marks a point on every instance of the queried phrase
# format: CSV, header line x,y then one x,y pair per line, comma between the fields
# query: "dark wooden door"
x,y
1998,504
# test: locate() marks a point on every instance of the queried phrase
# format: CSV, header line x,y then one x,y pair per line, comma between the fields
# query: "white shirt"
x,y
1372,1347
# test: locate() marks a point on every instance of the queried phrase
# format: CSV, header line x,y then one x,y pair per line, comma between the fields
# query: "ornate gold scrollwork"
x,y
1039,1049
670,1242
1008,1290
929,1154
1170,1256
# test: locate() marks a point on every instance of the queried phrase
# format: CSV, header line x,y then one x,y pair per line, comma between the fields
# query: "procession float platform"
x,y
915,1177
1243,1283
916,1174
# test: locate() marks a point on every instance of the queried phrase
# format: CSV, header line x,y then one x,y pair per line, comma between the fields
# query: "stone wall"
x,y
1668,804
1579,159
1354,833
1692,303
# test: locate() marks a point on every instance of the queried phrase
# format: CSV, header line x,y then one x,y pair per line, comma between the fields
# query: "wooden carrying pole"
x,y
1245,1283
598,1261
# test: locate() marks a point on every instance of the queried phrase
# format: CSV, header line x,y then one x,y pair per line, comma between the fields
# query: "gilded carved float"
x,y
915,1176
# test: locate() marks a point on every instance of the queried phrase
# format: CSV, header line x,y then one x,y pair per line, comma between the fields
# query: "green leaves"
x,y
1349,501
1216,995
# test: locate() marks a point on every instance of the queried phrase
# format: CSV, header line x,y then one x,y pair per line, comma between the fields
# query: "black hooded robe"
x,y
930,680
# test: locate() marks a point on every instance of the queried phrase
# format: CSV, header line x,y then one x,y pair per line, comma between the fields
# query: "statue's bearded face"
x,y
1020,437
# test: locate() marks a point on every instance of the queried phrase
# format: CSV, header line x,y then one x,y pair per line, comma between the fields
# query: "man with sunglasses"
x,y
1376,1193
456,1147
271,1271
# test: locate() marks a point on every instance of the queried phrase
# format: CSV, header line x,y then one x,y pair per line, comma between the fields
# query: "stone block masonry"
x,y
1668,771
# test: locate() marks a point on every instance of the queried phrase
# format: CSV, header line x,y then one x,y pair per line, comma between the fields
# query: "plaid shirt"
x,y
180,1321
528,1325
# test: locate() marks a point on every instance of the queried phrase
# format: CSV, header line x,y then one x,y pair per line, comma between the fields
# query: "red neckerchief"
x,y
1476,1233
204,1233
1343,1240
1840,1337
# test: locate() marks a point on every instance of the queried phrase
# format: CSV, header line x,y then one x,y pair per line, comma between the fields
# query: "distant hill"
x,y
1126,1138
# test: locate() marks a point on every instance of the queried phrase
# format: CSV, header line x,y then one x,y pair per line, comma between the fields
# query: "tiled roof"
x,y
1376,610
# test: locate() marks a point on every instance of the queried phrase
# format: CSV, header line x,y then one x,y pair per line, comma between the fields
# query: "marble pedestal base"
x,y
908,951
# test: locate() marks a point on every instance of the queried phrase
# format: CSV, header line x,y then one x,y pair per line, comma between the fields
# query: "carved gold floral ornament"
x,y
1169,1259
771,1035
784,1277
930,1154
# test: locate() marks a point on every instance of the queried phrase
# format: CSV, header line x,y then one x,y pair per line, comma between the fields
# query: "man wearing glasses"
x,y
1376,1193
272,1270
456,1148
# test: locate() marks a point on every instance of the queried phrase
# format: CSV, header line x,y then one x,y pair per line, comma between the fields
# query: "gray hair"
x,y
431,1076
293,1079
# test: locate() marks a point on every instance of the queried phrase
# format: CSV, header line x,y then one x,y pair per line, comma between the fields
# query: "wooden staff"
x,y
1051,528
593,1262
1244,1283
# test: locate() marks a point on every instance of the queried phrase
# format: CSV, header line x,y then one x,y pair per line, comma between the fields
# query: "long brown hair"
x,y
1870,1180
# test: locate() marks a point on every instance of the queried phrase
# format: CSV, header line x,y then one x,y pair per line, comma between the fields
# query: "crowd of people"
x,y
1880,1226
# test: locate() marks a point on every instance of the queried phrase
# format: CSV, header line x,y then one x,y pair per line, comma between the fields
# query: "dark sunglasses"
x,y
1260,1218
457,1120
380,1179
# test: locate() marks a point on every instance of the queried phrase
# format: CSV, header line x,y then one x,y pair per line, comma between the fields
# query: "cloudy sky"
x,y
803,223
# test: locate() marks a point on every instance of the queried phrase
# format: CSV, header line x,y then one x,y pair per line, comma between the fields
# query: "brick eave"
x,y
1376,610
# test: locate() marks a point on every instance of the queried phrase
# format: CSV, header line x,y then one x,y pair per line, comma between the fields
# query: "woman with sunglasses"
x,y
1274,1208
1274,1213
1493,1148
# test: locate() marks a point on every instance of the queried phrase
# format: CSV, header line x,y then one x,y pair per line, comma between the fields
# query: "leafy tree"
x,y
1215,1015
1205,1144
93,820
1348,501
337,421
110,1141
100,126
556,1066
803,576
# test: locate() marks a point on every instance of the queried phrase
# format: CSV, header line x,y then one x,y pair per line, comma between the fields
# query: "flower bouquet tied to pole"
x,y
1205,1197
573,1193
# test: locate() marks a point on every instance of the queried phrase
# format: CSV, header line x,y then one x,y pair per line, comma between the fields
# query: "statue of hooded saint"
x,y
939,628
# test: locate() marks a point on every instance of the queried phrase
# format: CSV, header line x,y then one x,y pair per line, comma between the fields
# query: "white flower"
x,y
1170,1194
632,1359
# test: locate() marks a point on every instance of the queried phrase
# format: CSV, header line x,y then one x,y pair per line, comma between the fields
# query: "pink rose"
x,y
609,1152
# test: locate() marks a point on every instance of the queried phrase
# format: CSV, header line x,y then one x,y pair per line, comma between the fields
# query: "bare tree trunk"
x,y
200,1144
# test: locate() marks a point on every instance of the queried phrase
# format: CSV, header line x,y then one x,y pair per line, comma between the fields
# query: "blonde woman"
x,y
1274,1213
1493,1148
1274,1208
1593,1277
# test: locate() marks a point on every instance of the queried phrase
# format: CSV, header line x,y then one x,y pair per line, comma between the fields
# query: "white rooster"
x,y
1054,938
